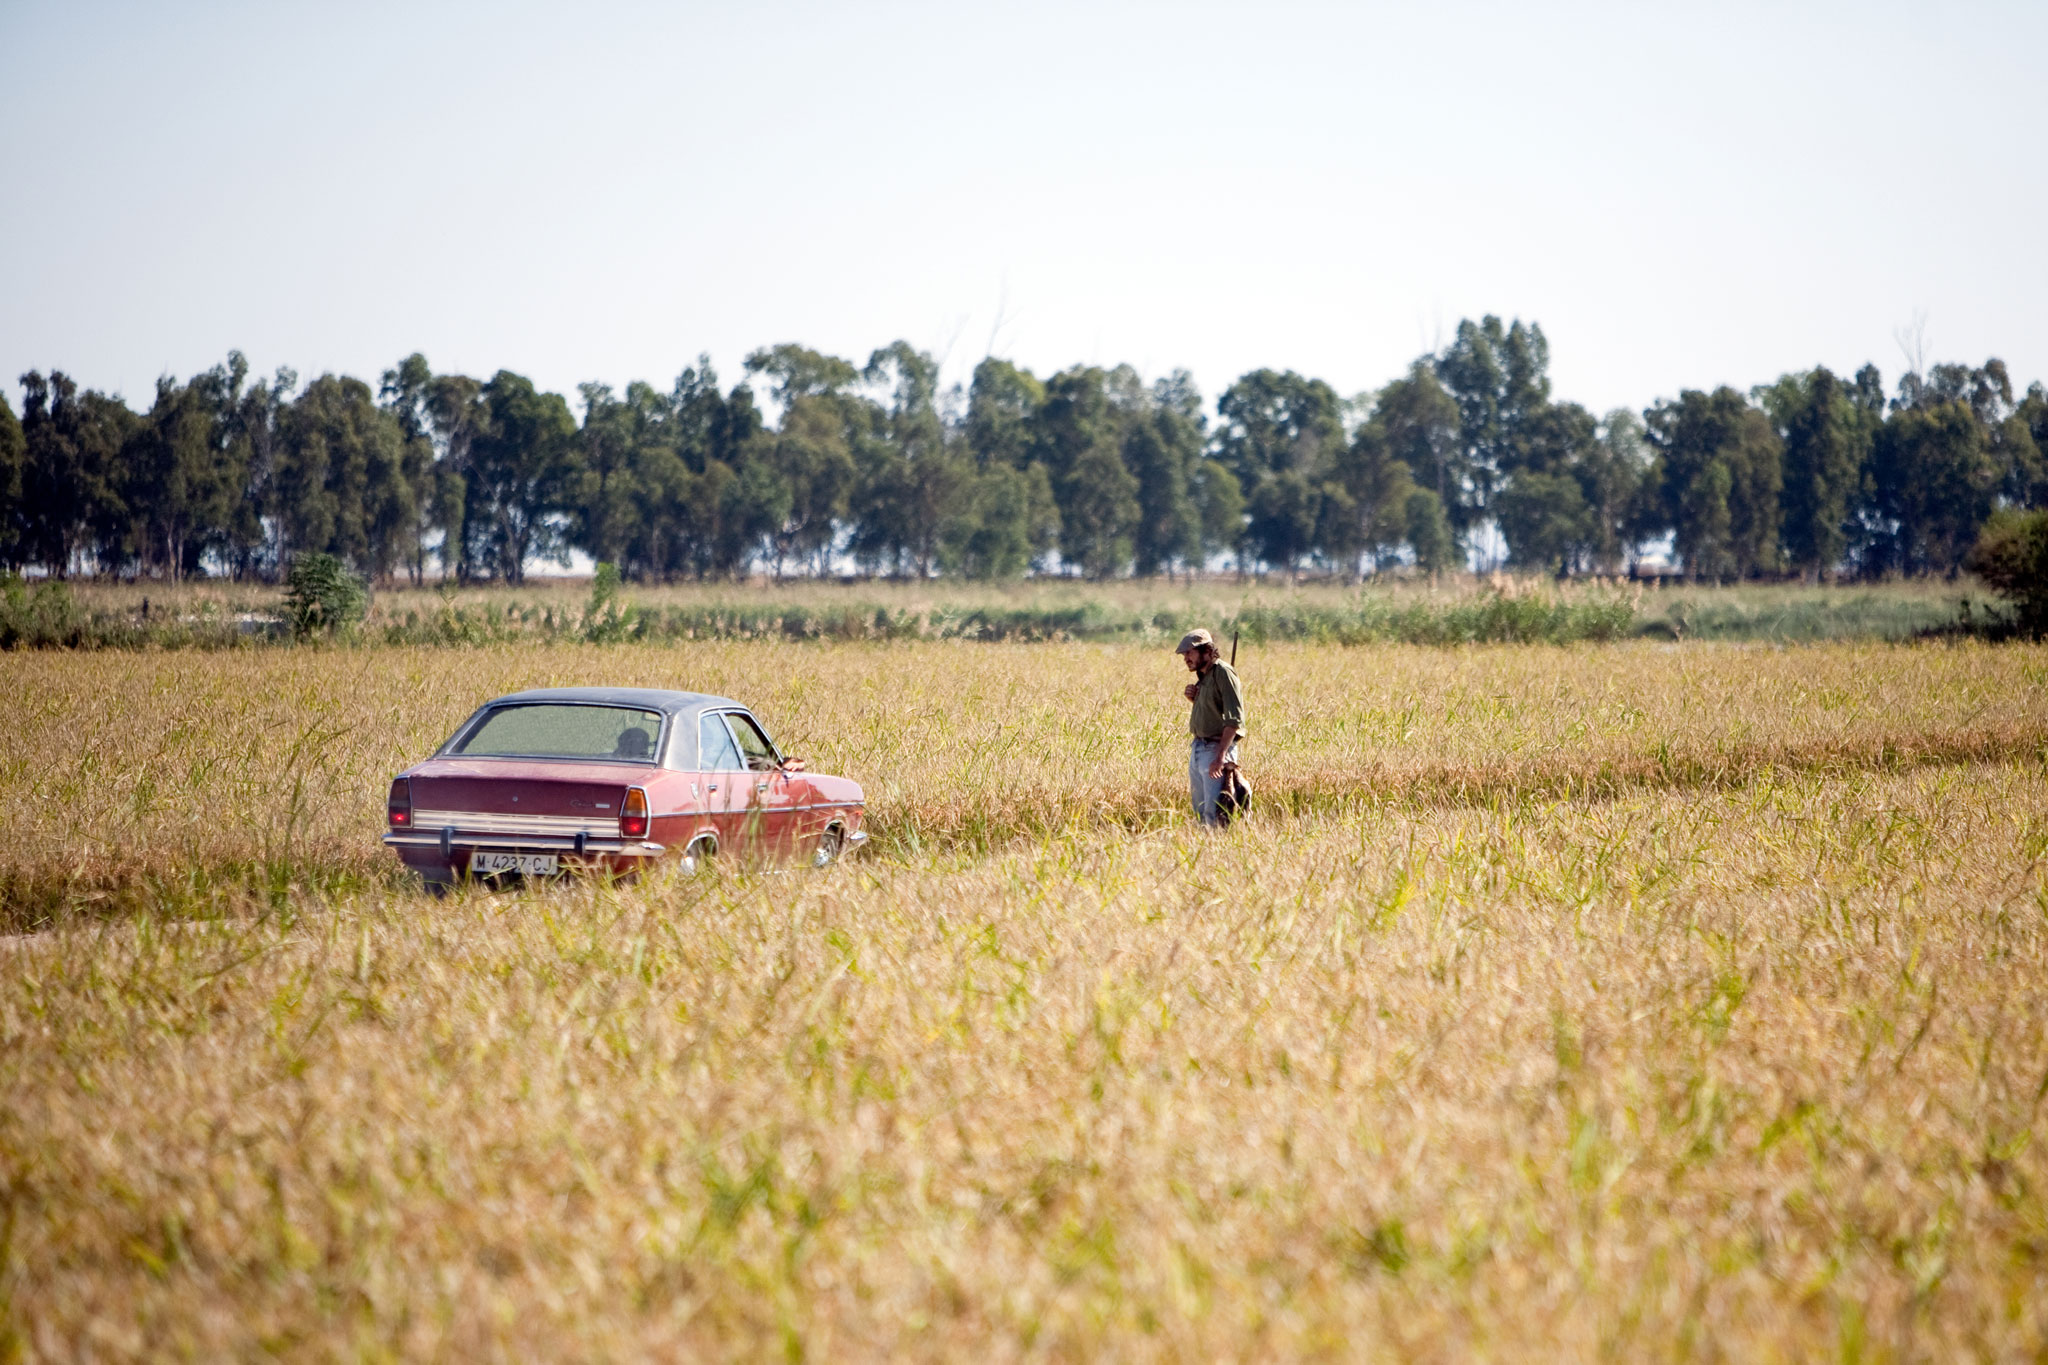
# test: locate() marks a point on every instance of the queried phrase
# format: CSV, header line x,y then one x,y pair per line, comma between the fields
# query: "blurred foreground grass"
x,y
1643,1001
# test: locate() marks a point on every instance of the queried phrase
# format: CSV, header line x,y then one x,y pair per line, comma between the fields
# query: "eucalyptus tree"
x,y
522,476
1937,465
179,491
1934,482
406,391
1220,497
1719,478
1079,440
608,501
339,484
2027,478
1827,438
1006,519
1162,449
1274,425
1003,401
1498,376
1284,511
254,545
1419,422
1009,518
1544,519
1545,506
1271,422
650,535
1428,531
930,469
455,408
799,372
1612,475
732,499
1091,469
1364,512
811,457
71,473
13,467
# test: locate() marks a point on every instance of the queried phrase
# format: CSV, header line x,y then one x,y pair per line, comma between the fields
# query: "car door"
x,y
727,784
772,793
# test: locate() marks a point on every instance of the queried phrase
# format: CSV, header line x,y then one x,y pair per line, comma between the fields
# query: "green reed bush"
x,y
323,598
2011,556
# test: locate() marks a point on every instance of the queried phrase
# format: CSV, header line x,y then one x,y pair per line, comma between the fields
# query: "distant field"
x,y
1638,1000
1456,610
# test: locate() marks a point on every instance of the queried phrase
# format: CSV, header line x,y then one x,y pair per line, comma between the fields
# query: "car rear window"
x,y
624,733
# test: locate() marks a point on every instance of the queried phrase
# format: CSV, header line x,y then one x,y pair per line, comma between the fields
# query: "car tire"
x,y
831,844
695,856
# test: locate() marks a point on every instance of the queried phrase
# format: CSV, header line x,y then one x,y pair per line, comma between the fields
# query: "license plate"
x,y
486,864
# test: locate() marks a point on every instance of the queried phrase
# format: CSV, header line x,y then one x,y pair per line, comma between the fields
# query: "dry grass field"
x,y
1621,1002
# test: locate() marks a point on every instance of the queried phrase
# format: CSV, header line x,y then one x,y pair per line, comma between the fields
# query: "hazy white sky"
x,y
1682,195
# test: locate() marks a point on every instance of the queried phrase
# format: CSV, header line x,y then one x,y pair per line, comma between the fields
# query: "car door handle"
x,y
761,788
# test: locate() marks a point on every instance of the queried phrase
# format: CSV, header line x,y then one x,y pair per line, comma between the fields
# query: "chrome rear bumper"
x,y
447,839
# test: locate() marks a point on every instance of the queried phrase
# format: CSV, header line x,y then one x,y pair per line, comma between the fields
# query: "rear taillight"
x,y
633,814
398,810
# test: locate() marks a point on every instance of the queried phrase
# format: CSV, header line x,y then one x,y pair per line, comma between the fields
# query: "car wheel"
x,y
830,844
695,856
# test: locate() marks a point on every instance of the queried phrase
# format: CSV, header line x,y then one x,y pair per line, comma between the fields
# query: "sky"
x,y
1681,195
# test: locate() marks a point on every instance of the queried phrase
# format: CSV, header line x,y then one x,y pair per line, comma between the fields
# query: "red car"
x,y
612,779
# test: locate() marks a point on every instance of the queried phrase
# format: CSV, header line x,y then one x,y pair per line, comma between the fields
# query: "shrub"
x,y
322,597
43,617
2011,556
606,620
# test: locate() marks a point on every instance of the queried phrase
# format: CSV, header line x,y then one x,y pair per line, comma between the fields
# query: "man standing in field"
x,y
1216,722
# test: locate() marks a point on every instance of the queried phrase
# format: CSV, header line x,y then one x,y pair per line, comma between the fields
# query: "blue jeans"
x,y
1202,788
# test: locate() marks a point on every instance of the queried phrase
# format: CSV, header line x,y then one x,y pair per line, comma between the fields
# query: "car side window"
x,y
679,754
716,753
760,753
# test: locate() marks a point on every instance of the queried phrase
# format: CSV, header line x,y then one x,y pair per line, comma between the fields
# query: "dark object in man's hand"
x,y
1236,797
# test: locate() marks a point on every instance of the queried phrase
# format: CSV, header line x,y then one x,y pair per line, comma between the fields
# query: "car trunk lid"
x,y
568,791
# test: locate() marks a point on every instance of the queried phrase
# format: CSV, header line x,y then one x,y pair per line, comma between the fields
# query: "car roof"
x,y
646,698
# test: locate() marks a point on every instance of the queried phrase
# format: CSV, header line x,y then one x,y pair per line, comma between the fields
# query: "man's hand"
x,y
1190,690
1223,743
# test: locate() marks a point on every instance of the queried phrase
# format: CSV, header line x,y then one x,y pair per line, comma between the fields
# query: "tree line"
x,y
812,464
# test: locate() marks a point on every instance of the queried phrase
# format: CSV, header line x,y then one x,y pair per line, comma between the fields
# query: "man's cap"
x,y
1194,639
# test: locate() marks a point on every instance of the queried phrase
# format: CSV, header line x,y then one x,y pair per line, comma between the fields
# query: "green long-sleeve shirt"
x,y
1219,701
